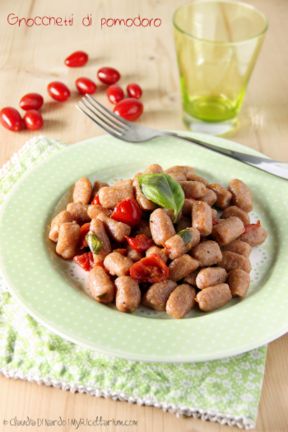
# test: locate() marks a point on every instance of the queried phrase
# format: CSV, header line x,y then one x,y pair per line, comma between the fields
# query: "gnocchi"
x,y
167,238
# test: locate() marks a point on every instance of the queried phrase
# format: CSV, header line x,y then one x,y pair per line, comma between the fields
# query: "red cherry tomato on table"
x,y
140,242
11,119
108,75
85,261
150,269
76,59
58,91
85,86
33,120
31,101
83,232
128,212
134,91
130,109
115,94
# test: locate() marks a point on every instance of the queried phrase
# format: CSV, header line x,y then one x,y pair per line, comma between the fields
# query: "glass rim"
x,y
245,5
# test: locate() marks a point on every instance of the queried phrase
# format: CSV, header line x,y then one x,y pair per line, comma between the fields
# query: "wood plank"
x,y
30,58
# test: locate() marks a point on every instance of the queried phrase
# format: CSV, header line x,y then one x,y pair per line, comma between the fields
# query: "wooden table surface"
x,y
31,57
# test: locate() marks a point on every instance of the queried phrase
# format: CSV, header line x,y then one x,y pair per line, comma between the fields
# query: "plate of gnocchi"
x,y
162,251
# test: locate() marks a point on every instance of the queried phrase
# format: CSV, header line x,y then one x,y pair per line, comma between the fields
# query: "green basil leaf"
x,y
94,243
186,235
162,190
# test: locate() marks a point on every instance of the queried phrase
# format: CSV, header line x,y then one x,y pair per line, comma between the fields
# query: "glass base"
x,y
212,128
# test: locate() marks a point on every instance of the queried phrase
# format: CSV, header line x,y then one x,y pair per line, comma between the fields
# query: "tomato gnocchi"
x,y
167,239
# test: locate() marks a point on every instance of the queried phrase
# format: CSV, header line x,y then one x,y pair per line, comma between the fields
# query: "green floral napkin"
x,y
225,391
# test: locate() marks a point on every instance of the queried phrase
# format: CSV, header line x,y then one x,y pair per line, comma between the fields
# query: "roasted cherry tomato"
x,y
134,91
11,119
140,242
83,232
150,269
31,101
115,94
33,120
85,260
76,59
127,211
108,75
129,108
58,91
96,200
252,226
85,86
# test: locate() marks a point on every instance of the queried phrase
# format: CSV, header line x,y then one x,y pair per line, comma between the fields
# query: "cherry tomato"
x,y
85,86
108,75
11,119
140,242
150,269
85,260
96,200
58,91
31,101
130,109
134,91
83,232
252,226
115,94
76,59
128,212
33,120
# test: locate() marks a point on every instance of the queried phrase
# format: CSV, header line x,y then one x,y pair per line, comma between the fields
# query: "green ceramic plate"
x,y
49,289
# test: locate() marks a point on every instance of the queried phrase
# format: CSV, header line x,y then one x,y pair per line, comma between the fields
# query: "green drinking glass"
x,y
217,45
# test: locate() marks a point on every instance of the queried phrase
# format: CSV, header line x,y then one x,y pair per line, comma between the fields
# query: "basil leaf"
x,y
94,243
163,190
186,235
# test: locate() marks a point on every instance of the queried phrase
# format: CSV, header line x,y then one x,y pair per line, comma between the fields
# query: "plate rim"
x,y
114,353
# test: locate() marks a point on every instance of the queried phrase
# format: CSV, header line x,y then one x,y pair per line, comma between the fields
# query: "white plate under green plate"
x,y
40,280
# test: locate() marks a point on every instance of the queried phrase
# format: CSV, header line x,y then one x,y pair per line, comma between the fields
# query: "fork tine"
x,y
108,130
95,111
105,110
102,126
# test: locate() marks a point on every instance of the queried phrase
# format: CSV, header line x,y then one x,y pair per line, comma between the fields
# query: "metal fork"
x,y
135,133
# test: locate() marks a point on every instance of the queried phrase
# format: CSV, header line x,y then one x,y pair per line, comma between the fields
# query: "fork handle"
x,y
276,168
